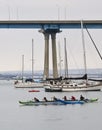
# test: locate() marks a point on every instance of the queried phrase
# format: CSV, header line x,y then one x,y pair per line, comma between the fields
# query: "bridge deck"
x,y
51,24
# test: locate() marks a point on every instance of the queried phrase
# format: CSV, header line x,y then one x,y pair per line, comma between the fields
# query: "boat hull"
x,y
69,88
75,89
33,103
71,101
74,102
28,85
53,89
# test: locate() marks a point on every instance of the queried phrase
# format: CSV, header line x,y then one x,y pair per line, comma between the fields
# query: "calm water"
x,y
65,117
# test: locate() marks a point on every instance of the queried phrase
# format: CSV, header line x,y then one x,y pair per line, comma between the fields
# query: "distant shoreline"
x,y
39,74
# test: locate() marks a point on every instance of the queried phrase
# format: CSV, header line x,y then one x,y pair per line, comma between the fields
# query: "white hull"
x,y
70,88
28,85
75,89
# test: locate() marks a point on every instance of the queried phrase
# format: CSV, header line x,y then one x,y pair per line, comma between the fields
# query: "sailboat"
x,y
28,83
72,86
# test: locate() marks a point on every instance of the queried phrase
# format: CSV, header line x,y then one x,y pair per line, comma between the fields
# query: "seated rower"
x,y
36,100
73,98
54,98
45,99
65,98
81,97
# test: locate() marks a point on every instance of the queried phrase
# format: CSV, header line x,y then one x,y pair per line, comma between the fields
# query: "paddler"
x,y
54,98
36,99
65,98
45,99
73,98
81,97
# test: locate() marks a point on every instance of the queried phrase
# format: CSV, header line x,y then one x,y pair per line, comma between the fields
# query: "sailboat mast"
x,y
32,59
84,52
66,61
59,59
22,68
94,44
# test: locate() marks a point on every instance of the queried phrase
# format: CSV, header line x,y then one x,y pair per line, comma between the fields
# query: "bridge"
x,y
51,24
50,27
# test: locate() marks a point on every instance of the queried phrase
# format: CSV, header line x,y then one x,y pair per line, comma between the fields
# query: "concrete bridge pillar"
x,y
54,55
46,55
47,33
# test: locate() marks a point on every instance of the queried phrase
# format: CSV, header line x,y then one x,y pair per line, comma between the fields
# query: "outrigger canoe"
x,y
57,102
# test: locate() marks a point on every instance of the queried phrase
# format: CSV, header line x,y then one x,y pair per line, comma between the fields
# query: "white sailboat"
x,y
72,86
28,83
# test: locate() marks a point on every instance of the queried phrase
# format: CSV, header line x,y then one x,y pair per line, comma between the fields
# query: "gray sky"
x,y
15,42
